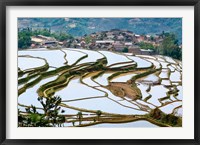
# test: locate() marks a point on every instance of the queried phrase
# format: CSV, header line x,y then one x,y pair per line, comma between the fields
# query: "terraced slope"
x,y
104,87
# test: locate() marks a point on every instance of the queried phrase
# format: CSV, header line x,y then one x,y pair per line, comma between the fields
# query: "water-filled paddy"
x,y
54,58
175,76
103,104
25,63
123,77
143,88
30,96
92,56
112,97
89,81
180,93
166,82
169,108
77,90
164,73
141,63
151,78
164,64
157,92
155,63
113,58
169,59
123,65
139,124
103,79
72,56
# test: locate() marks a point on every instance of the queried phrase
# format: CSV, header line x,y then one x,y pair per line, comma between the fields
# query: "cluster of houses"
x,y
41,41
117,40
113,40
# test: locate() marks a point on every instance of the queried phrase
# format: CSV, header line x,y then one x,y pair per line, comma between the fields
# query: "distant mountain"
x,y
82,26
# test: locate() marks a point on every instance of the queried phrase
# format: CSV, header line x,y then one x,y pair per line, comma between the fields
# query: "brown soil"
x,y
124,89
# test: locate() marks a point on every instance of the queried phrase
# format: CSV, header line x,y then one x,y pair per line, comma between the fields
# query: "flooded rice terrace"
x,y
100,88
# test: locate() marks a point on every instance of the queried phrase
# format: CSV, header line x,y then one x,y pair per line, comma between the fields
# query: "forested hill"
x,y
82,26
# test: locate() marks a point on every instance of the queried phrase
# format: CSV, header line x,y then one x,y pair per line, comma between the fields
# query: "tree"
x,y
24,38
98,114
144,45
45,32
125,50
169,47
152,38
49,118
88,39
62,36
73,123
80,116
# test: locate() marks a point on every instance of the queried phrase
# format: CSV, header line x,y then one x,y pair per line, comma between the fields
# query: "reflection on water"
x,y
54,58
28,62
139,124
77,90
30,96
141,63
113,58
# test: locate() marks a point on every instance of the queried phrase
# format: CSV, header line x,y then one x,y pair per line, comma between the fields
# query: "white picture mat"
x,y
185,132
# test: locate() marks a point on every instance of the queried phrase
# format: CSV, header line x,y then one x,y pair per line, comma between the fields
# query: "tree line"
x,y
24,36
168,47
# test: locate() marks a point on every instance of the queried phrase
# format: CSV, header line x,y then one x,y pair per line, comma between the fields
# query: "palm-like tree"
x,y
50,116
60,120
73,123
79,116
98,114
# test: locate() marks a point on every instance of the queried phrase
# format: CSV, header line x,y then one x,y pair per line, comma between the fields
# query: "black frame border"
x,y
5,3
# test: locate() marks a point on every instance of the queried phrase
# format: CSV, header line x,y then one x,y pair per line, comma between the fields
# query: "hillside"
x,y
82,26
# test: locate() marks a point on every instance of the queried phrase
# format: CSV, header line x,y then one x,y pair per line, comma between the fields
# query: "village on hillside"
x,y
113,40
